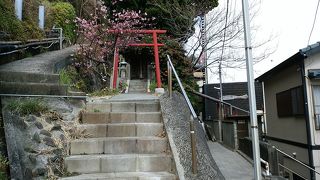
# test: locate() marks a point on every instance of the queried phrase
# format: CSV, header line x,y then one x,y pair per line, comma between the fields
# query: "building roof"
x,y
294,59
236,89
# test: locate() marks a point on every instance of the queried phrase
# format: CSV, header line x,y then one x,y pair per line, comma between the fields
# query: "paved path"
x,y
41,63
134,97
232,165
124,97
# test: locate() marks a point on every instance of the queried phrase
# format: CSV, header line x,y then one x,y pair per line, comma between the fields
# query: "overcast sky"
x,y
290,21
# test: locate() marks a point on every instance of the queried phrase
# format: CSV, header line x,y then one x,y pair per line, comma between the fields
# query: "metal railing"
x,y
43,96
292,171
231,107
267,167
297,161
193,113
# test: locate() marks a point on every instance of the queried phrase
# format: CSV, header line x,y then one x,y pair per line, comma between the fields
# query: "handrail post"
x,y
60,36
267,166
169,79
193,146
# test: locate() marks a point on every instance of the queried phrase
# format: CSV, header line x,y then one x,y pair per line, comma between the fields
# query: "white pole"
x,y
18,8
41,17
251,90
204,44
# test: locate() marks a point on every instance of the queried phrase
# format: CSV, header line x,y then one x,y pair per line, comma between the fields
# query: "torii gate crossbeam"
x,y
155,45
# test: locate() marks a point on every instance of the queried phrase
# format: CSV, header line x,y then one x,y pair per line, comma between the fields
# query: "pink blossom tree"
x,y
101,33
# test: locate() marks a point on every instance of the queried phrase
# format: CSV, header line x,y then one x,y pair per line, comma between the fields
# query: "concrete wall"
x,y
292,128
288,128
216,129
229,134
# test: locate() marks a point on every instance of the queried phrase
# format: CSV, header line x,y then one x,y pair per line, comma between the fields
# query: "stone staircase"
x,y
31,83
37,75
127,142
138,86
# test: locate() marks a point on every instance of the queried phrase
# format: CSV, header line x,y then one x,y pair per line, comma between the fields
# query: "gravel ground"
x,y
176,117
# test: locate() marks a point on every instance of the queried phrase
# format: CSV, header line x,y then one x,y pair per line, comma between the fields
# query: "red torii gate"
x,y
155,45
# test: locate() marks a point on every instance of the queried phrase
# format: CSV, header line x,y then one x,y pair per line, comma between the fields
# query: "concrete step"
x,y
119,163
137,89
32,88
137,81
134,98
147,106
137,92
123,129
120,117
119,145
141,86
12,76
125,176
98,107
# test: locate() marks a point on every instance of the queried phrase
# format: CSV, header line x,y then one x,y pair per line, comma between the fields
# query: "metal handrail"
x,y
43,96
266,166
193,117
296,160
182,89
220,101
292,171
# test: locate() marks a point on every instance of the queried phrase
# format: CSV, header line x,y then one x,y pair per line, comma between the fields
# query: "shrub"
x,y
3,167
9,23
27,106
62,15
105,92
16,29
65,77
71,77
153,86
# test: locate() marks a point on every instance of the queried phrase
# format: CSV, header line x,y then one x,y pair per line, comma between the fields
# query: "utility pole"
x,y
251,90
203,37
221,100
221,113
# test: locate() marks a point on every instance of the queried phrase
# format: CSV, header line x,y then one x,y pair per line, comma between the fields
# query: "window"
x,y
290,102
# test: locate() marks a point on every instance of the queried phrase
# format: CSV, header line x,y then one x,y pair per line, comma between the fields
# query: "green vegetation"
x,y
105,92
15,29
62,15
69,76
4,163
176,16
27,106
153,86
66,77
96,110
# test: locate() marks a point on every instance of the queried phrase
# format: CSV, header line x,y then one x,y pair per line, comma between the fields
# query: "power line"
x,y
314,21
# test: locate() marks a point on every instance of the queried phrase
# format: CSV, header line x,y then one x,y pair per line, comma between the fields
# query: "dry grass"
x,y
74,132
53,116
